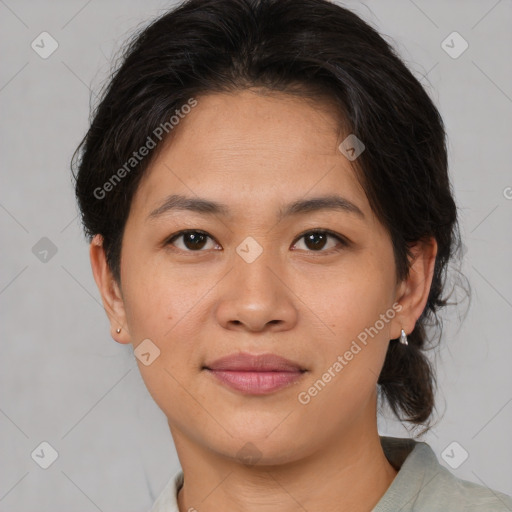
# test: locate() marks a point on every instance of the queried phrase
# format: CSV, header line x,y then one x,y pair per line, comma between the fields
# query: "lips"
x,y
243,362
255,374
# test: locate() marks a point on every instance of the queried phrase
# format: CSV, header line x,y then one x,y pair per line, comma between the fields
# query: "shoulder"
x,y
467,496
423,484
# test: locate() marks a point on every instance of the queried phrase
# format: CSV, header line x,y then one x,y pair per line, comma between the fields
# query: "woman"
x,y
264,185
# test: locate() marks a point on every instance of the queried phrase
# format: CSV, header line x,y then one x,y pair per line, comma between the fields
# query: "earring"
x,y
118,330
403,338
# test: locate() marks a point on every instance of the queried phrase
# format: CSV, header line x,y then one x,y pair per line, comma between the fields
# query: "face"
x,y
258,277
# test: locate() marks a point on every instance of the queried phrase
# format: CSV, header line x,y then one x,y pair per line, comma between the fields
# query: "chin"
x,y
251,449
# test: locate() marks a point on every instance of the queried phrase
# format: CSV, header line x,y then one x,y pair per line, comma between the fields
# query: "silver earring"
x,y
118,330
403,338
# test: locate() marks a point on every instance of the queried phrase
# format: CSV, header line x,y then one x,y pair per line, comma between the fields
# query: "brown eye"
x,y
191,240
316,241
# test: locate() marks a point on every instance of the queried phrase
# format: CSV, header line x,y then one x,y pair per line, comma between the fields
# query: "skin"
x,y
256,152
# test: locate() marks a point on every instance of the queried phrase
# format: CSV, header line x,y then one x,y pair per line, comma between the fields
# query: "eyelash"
x,y
342,240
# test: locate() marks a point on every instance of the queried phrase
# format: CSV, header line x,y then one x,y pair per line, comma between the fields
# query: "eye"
x,y
316,240
192,240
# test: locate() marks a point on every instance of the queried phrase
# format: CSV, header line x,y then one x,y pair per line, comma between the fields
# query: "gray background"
x,y
65,381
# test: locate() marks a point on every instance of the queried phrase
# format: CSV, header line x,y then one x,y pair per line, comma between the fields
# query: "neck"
x,y
349,473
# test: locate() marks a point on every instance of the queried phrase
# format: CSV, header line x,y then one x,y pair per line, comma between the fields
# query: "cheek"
x,y
352,352
157,298
355,312
163,305
349,300
159,310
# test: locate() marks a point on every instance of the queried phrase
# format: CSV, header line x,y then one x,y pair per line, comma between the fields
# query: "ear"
x,y
110,292
413,291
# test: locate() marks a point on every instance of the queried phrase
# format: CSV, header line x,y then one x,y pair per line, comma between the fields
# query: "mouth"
x,y
256,382
255,374
246,362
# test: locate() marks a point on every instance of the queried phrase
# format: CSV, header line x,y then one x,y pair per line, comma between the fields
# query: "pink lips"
x,y
255,374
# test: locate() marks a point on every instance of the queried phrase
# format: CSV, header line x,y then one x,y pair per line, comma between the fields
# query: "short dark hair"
x,y
313,48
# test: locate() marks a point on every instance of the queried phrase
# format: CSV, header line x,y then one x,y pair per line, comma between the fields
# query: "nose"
x,y
256,297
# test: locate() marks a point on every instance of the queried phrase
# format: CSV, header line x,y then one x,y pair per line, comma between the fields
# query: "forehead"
x,y
248,146
250,120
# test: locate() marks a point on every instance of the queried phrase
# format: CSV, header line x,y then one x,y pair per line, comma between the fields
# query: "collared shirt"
x,y
421,485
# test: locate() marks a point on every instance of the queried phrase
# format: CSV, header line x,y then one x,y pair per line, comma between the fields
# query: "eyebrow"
x,y
176,202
